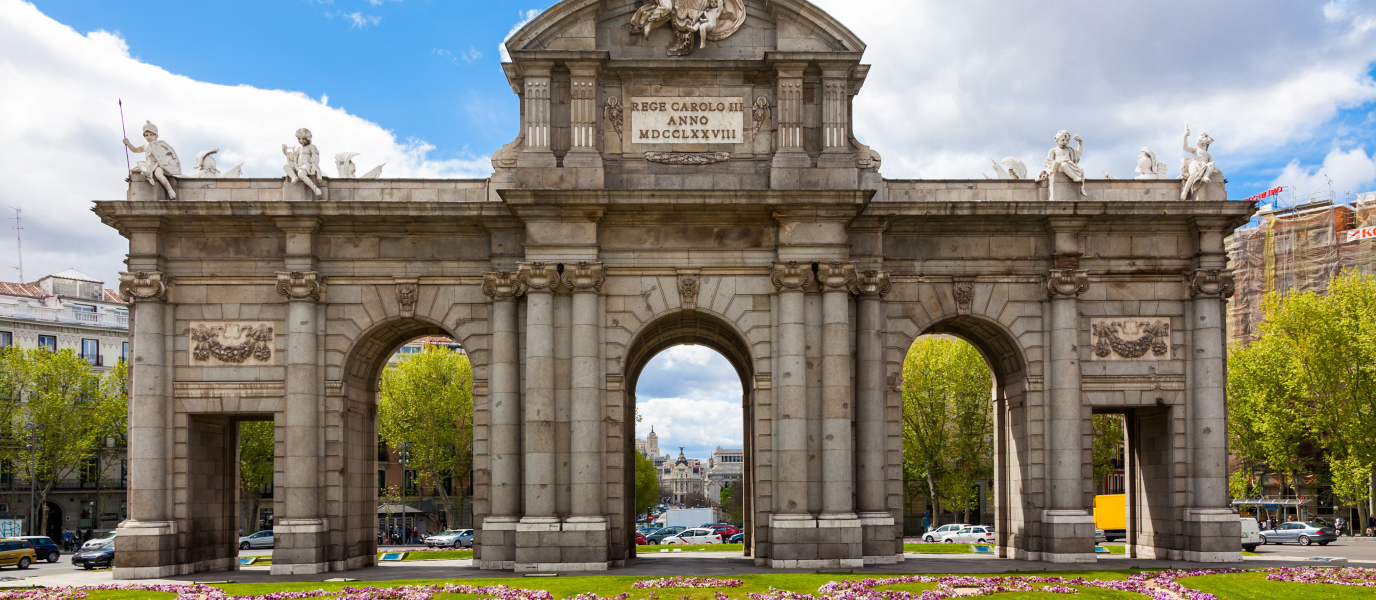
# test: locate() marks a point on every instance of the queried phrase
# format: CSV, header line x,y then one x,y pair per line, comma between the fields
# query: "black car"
x,y
95,558
43,547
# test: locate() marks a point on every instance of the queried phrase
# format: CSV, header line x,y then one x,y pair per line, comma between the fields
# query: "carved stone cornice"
x,y
871,284
584,277
791,276
1066,282
142,286
408,293
501,285
836,275
300,285
538,276
963,290
689,283
1210,283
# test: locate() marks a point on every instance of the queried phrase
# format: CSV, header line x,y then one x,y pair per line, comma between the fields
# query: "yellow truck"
x,y
1111,515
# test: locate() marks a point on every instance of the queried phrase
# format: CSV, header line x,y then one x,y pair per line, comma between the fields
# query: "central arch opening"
x,y
689,385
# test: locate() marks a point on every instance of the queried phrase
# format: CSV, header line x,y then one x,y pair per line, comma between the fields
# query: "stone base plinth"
x,y
879,541
1212,535
546,544
825,542
495,547
146,550
298,547
1068,536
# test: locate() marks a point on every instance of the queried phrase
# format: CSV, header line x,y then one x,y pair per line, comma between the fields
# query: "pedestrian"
x,y
67,539
87,536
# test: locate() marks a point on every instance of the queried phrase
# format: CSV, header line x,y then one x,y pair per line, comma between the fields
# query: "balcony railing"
x,y
94,359
22,310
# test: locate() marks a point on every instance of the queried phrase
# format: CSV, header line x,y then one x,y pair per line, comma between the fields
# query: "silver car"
x,y
262,539
451,538
1301,533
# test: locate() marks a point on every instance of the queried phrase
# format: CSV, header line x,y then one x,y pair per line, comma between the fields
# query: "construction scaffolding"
x,y
1297,249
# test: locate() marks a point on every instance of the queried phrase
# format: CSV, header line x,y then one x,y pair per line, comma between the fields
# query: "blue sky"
x,y
1286,88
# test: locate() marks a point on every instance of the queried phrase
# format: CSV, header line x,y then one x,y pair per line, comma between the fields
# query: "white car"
x,y
99,541
1099,536
934,535
451,538
697,535
261,539
1251,534
974,534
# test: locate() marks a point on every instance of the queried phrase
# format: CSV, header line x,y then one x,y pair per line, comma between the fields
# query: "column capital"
x,y
300,285
502,285
871,284
836,276
142,286
584,277
791,276
538,276
1210,283
1066,282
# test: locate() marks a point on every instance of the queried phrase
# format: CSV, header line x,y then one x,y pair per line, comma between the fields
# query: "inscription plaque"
x,y
675,120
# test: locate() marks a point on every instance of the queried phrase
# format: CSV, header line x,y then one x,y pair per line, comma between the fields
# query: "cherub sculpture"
x,y
161,163
303,162
1197,169
1148,168
1064,159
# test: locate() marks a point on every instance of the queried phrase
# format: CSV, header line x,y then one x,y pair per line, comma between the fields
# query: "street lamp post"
x,y
403,457
34,435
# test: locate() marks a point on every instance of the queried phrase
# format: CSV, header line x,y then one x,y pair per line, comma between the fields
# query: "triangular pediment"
x,y
734,29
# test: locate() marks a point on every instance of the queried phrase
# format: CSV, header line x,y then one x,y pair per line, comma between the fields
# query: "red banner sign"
x,y
1361,234
1266,194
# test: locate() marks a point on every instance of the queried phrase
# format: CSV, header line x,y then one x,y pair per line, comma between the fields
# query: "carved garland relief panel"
x,y
237,343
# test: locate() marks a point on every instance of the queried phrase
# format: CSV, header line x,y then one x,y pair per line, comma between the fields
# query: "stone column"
x,y
1210,524
536,151
497,543
585,280
538,491
875,518
146,540
790,412
1067,528
839,535
300,532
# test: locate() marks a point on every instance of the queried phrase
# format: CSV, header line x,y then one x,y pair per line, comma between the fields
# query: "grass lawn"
x,y
1253,586
937,548
410,556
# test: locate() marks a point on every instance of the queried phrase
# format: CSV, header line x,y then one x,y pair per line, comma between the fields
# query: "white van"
x,y
1251,534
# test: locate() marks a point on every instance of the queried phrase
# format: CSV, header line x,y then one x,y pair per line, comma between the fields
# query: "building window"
x,y
124,473
90,350
86,308
124,352
410,482
6,339
90,471
88,513
382,480
48,342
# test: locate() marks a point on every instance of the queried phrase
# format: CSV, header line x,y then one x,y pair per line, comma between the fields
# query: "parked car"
x,y
1302,533
975,534
724,529
43,546
935,534
658,536
98,557
451,538
99,541
696,535
17,552
261,539
640,539
1251,534
736,539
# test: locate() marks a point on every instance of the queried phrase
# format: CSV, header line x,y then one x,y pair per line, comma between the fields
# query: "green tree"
x,y
256,452
53,405
113,426
947,420
646,484
732,502
1108,445
426,402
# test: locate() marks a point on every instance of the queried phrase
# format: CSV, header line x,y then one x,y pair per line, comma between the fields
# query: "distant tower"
x,y
652,443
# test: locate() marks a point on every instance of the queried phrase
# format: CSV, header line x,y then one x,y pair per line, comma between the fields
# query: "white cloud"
x,y
526,17
1352,170
467,56
955,84
696,424
60,135
360,20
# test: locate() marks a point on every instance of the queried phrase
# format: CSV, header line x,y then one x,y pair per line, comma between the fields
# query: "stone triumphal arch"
x,y
680,176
